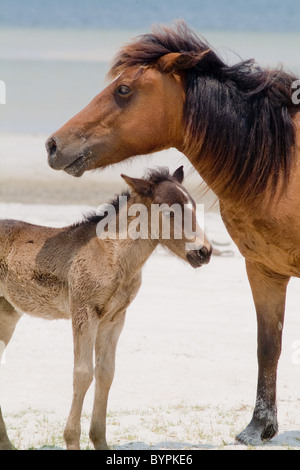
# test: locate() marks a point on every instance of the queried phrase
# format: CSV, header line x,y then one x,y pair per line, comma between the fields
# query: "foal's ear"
x,y
178,174
140,186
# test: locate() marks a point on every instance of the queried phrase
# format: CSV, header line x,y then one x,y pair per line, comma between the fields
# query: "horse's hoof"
x,y
257,432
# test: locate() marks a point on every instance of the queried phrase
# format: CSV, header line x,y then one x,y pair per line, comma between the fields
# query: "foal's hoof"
x,y
101,446
6,445
257,432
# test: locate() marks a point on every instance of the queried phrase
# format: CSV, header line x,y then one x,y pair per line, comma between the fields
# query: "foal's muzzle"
x,y
198,257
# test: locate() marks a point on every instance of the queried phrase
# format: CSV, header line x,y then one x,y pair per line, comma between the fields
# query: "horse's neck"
x,y
225,198
246,201
132,254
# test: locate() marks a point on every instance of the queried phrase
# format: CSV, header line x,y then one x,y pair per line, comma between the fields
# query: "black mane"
x,y
238,118
94,217
158,175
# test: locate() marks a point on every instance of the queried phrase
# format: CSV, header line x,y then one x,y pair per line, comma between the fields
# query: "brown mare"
x,y
240,128
72,273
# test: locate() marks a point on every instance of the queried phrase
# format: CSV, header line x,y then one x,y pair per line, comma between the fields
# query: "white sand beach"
x,y
186,360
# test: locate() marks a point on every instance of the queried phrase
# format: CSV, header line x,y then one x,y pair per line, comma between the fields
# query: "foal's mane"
x,y
238,118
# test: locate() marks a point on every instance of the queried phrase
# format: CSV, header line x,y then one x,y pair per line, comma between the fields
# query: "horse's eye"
x,y
123,90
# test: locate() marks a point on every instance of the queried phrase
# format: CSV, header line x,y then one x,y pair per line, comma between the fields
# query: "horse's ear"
x,y
167,63
179,174
176,61
140,186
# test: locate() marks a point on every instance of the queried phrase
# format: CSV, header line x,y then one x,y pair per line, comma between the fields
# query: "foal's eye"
x,y
123,90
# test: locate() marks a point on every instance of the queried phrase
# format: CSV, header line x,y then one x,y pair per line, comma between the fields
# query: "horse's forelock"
x,y
147,49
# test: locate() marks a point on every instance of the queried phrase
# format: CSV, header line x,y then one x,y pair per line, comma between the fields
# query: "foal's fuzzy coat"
x,y
71,273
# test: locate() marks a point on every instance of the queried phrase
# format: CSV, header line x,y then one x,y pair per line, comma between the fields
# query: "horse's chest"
x,y
123,293
275,245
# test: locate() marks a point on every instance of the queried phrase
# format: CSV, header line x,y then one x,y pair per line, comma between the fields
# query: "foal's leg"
x,y
84,339
8,320
269,292
105,351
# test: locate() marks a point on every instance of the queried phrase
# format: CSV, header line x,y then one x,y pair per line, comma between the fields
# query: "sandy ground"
x,y
186,364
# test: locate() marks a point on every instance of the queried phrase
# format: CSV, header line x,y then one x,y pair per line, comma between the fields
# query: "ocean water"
x,y
218,15
54,54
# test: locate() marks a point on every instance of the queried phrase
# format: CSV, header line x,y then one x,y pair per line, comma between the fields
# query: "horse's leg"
x,y
105,350
84,338
269,292
8,320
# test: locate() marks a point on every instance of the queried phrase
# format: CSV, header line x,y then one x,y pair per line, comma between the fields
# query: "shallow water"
x,y
216,15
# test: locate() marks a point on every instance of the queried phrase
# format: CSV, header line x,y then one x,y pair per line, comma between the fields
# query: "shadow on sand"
x,y
286,440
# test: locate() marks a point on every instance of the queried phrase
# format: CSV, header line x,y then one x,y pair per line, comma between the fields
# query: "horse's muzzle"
x,y
72,163
54,158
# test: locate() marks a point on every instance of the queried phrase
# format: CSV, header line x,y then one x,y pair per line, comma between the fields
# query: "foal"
x,y
80,272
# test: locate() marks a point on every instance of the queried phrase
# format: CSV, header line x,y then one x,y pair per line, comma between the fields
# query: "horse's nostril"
x,y
51,147
204,254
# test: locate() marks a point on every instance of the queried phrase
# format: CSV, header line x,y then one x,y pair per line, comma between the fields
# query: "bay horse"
x,y
239,125
75,272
